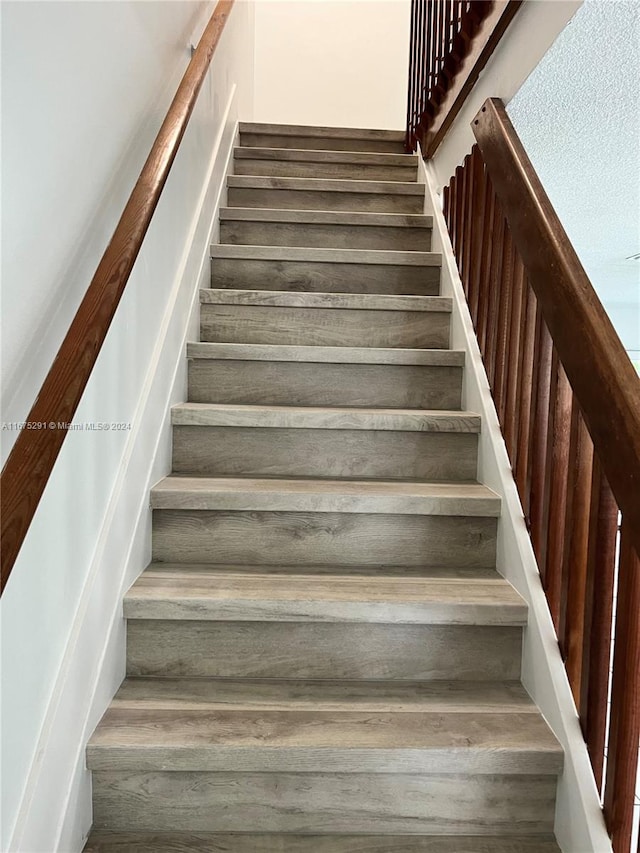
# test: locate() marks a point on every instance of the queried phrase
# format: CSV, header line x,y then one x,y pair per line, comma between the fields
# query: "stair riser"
x,y
348,651
320,143
322,538
324,453
320,326
324,803
286,383
341,171
286,199
313,235
240,273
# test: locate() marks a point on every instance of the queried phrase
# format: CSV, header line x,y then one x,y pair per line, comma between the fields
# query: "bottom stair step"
x,y
246,843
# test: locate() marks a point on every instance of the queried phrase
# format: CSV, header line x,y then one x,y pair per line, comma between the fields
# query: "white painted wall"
x,y
339,63
85,87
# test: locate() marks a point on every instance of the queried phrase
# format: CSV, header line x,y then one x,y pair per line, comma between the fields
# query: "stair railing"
x,y
451,41
568,401
29,465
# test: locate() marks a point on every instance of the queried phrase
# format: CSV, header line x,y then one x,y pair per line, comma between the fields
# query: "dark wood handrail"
x,y
29,465
599,371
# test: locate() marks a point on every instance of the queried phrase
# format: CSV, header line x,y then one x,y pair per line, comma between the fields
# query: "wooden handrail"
x,y
598,368
29,465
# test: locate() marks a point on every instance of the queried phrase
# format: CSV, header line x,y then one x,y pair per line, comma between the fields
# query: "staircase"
x,y
322,657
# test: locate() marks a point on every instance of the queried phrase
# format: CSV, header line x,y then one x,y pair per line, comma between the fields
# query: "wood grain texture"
x,y
318,299
335,539
264,452
281,383
357,196
100,842
27,469
252,494
323,742
397,221
302,155
329,355
325,803
396,697
338,277
316,650
310,417
260,232
227,596
323,327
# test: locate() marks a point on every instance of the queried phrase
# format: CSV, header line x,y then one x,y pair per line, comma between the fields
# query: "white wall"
x,y
339,63
85,87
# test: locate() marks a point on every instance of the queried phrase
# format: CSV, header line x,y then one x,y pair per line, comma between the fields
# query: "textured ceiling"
x,y
578,115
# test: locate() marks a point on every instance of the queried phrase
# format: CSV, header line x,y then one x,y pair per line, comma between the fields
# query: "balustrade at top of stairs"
x,y
322,656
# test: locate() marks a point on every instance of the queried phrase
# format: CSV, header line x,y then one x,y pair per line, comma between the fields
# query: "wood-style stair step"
x,y
254,134
278,441
324,319
104,842
326,229
325,376
333,496
326,270
170,593
350,740
308,163
308,417
325,194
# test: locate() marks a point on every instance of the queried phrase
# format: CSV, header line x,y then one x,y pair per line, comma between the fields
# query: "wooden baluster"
x,y
409,140
452,211
578,548
468,225
495,284
421,11
504,315
624,730
524,396
464,233
541,448
488,224
514,359
596,650
479,188
563,405
446,195
459,212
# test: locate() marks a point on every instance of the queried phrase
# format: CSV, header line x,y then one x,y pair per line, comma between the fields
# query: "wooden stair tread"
x,y
321,131
379,257
311,155
323,695
355,496
100,842
162,593
315,417
329,355
311,740
317,299
326,217
389,571
336,185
